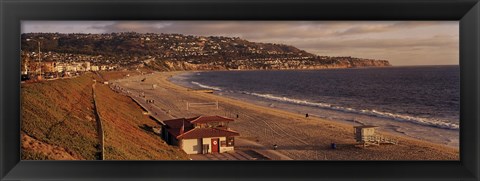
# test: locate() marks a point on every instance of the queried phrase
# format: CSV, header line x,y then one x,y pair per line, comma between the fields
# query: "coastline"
x,y
298,137
445,133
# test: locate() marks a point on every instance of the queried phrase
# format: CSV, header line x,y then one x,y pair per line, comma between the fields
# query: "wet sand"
x,y
297,137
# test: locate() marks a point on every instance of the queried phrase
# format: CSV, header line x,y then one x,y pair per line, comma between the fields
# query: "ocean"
x,y
422,102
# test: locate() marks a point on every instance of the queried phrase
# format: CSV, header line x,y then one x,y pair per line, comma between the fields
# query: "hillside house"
x,y
200,135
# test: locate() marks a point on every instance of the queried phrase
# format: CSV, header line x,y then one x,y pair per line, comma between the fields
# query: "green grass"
x,y
60,113
33,155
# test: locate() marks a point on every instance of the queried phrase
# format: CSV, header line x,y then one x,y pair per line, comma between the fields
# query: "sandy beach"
x,y
297,137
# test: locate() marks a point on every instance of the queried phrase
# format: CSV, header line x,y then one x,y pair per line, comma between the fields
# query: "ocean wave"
x,y
397,117
206,86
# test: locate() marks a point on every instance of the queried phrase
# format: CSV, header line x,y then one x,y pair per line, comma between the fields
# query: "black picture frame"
x,y
12,12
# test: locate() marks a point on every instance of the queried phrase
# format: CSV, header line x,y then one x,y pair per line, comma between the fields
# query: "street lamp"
x,y
39,54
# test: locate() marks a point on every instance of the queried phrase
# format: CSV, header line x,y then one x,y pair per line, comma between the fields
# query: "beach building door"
x,y
200,144
215,145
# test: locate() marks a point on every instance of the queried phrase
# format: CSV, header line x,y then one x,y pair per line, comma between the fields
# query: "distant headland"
x,y
173,52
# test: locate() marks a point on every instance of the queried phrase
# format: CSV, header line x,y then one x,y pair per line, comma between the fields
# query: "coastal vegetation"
x,y
59,113
59,123
129,134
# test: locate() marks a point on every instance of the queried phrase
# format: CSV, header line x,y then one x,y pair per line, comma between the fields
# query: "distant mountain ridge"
x,y
184,52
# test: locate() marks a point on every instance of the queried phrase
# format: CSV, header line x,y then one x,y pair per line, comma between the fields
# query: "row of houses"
x,y
52,67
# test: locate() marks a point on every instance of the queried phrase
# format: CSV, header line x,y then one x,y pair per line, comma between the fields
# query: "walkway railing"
x,y
101,136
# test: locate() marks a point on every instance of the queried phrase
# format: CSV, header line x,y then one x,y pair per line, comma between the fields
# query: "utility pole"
x,y
39,58
39,55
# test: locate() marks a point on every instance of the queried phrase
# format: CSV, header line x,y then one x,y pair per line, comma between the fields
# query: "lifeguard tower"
x,y
365,135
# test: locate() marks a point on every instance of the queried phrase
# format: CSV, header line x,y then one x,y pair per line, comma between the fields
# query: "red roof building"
x,y
199,135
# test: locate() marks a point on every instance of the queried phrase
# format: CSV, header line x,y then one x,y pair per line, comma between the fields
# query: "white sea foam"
x,y
206,86
397,117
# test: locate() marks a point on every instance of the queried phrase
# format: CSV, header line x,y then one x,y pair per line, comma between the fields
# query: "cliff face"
x,y
181,65
371,63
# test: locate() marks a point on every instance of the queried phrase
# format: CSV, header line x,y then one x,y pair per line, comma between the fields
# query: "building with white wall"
x,y
200,135
94,68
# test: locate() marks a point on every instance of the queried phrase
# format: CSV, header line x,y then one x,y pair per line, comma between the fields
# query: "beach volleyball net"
x,y
202,104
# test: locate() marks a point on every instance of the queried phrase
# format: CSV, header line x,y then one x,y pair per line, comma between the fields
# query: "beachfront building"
x,y
48,67
200,135
94,68
61,67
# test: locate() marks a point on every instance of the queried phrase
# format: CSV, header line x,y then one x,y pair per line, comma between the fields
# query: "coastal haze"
x,y
240,90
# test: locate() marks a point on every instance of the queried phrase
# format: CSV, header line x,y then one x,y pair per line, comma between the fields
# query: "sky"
x,y
400,42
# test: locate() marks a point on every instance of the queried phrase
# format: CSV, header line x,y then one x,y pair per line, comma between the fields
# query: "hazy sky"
x,y
400,42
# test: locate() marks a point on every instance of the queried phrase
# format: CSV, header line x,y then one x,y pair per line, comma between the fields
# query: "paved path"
x,y
98,118
234,155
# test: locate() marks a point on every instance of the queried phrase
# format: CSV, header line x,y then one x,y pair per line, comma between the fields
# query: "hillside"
x,y
128,133
58,123
58,114
181,52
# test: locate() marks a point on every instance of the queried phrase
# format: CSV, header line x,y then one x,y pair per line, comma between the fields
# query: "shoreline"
x,y
310,69
411,129
301,138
